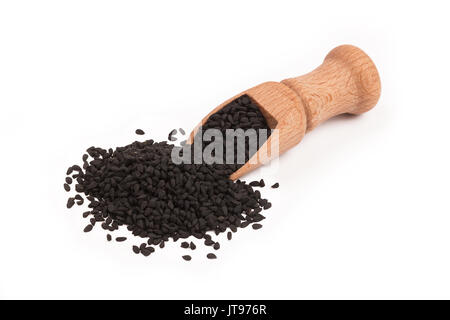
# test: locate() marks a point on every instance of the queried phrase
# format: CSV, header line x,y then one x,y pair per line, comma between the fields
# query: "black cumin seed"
x,y
70,202
192,246
66,187
229,235
136,249
146,252
254,183
162,244
88,228
262,184
121,239
108,237
256,226
216,246
69,180
276,185
187,257
182,131
185,245
137,186
211,256
140,131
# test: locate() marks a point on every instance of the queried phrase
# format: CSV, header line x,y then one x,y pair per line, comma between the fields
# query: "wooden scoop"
x,y
346,82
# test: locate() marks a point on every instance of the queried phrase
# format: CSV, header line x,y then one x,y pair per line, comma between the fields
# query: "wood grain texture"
x,y
346,82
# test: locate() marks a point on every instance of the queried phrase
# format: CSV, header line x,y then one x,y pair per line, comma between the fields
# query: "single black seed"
x,y
187,257
146,252
262,184
185,245
66,187
140,131
182,131
229,235
108,237
254,183
216,246
136,249
276,185
121,239
211,256
86,214
69,180
70,202
162,244
256,226
88,228
192,246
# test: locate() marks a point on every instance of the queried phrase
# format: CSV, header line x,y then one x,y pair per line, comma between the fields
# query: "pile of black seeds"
x,y
138,186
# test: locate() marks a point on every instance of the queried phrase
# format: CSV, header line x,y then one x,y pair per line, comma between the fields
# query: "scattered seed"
x,y
136,249
88,228
256,226
121,239
146,252
70,202
229,235
276,185
216,246
187,257
192,246
69,180
185,245
140,132
182,131
108,237
211,256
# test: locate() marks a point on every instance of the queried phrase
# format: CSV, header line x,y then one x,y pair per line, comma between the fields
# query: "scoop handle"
x,y
346,82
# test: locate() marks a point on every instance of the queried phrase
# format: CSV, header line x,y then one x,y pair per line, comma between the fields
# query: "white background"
x,y
363,205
